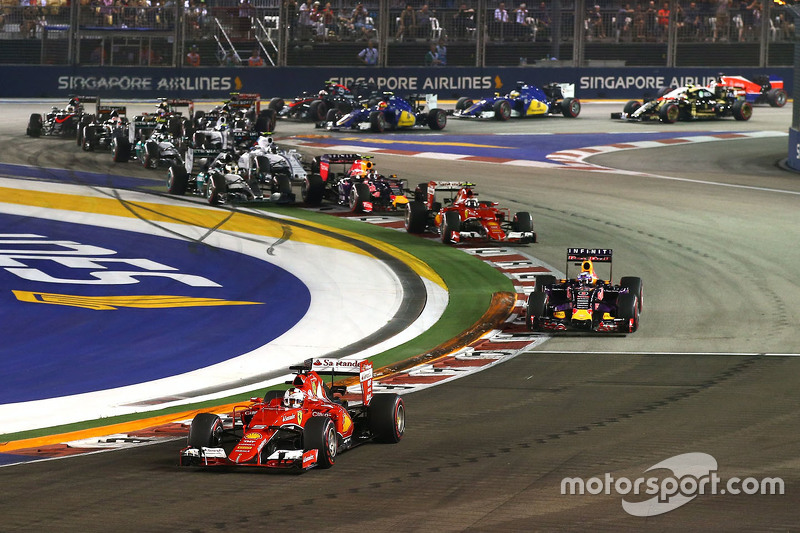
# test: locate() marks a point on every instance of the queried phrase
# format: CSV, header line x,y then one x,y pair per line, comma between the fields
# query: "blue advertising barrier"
x,y
217,83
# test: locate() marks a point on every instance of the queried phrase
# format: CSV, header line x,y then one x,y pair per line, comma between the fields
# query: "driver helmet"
x,y
514,94
70,109
294,398
585,278
231,168
322,94
471,202
383,105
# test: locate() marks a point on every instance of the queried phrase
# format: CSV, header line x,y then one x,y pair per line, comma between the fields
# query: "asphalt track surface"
x,y
713,369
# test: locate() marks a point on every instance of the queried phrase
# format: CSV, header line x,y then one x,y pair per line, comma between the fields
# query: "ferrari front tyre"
x,y
437,119
463,103
450,225
776,97
536,309
631,106
570,107
416,217
177,180
742,110
628,310
669,113
543,282
377,121
317,111
634,286
216,188
319,434
205,431
359,193
312,190
387,417
523,221
502,110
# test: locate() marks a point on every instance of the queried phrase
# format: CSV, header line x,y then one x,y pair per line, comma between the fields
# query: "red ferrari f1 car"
x,y
303,427
586,302
461,217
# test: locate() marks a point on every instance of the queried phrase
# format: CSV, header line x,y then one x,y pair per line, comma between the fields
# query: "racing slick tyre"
x,y
776,97
122,149
175,125
312,190
387,417
537,306
34,125
634,286
319,434
523,221
742,110
198,139
502,110
669,113
543,281
631,106
421,192
377,122
216,188
266,121
263,166
359,193
317,111
450,225
205,431
276,104
199,120
437,119
333,115
416,217
177,180
89,135
150,159
463,103
570,107
282,189
662,91
628,309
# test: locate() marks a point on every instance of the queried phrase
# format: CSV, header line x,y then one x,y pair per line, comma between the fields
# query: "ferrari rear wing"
x,y
360,367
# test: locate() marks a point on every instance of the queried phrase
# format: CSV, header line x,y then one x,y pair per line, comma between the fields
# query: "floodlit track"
x,y
490,451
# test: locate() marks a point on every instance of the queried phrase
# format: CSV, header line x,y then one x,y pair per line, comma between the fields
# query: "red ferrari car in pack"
x,y
458,216
303,427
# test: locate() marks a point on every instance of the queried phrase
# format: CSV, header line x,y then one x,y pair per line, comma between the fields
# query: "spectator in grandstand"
x,y
291,17
501,14
424,22
407,25
693,22
651,21
596,24
255,59
369,55
432,57
463,21
231,59
329,19
360,21
193,57
441,51
497,28
723,18
623,23
663,22
639,24
543,21
30,19
522,29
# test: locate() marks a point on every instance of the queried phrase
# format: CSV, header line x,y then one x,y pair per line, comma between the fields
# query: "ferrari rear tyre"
x,y
544,281
634,286
502,110
669,113
216,188
416,217
570,107
536,309
387,417
377,121
205,431
319,434
742,110
450,225
177,180
631,106
628,310
312,190
359,193
776,97
437,119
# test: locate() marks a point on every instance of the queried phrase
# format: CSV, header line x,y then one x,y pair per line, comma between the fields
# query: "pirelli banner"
x,y
286,82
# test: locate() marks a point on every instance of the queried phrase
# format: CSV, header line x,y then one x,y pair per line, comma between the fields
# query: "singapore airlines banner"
x,y
287,82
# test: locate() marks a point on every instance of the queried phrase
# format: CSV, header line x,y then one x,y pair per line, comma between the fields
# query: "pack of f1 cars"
x,y
213,174
390,112
524,101
314,106
304,427
762,89
101,129
585,302
358,185
62,122
452,209
687,103
242,115
157,139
